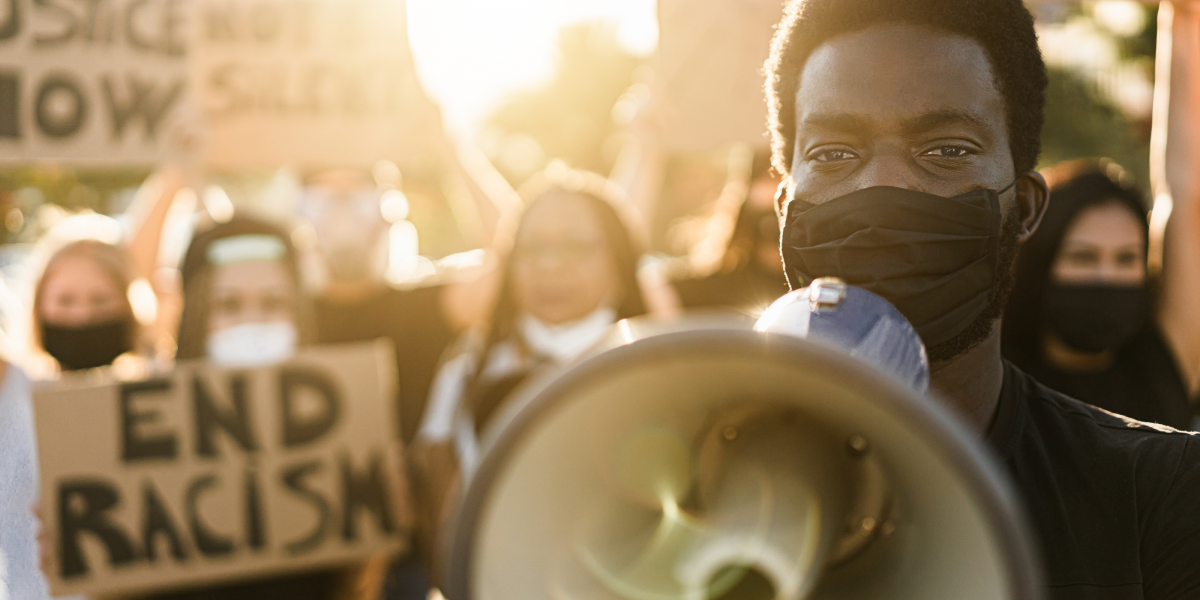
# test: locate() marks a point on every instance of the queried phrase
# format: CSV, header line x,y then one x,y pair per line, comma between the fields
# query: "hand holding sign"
x,y
208,474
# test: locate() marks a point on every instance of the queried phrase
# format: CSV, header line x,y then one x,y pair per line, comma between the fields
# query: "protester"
x,y
909,132
749,275
243,307
1081,318
82,315
94,300
243,303
570,272
356,302
343,206
22,577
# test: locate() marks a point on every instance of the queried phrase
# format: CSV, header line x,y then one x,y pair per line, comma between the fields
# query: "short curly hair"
x,y
1003,27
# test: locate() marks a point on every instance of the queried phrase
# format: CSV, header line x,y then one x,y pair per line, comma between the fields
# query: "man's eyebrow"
x,y
942,117
844,122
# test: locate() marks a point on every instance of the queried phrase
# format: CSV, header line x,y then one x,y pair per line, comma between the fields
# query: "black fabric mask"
x,y
1095,318
934,258
86,347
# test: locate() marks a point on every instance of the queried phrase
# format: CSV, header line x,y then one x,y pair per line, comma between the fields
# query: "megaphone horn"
x,y
732,464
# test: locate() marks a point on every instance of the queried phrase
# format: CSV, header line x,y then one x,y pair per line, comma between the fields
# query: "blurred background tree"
x,y
1080,124
570,117
1100,57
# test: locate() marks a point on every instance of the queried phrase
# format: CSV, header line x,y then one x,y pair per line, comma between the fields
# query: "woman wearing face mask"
x,y
243,308
569,274
242,302
1081,316
82,315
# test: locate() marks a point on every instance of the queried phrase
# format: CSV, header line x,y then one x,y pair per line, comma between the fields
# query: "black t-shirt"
x,y
413,320
1113,500
1143,382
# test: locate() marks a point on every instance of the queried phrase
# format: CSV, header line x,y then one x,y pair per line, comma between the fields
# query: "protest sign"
x,y
206,474
315,83
96,82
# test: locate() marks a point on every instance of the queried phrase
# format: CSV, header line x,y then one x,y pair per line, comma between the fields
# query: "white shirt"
x,y
18,490
446,418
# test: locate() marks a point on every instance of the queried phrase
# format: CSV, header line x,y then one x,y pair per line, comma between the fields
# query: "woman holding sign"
x,y
198,516
243,307
568,275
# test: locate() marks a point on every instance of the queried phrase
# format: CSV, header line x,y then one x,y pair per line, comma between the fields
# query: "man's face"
x,y
902,106
915,108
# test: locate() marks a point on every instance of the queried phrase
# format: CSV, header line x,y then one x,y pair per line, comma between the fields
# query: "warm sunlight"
x,y
471,53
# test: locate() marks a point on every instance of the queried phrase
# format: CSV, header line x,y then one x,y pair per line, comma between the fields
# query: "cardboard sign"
x,y
205,475
315,83
99,82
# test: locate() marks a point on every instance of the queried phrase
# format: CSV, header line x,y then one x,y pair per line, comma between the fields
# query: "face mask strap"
x,y
1014,182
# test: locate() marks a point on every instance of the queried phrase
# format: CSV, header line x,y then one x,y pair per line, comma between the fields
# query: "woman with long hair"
x,y
1082,316
242,296
569,272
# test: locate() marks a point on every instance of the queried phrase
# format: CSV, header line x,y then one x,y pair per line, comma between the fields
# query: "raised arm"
x,y
150,208
1175,178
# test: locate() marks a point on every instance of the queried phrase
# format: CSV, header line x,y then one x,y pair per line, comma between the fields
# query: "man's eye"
x,y
831,155
949,152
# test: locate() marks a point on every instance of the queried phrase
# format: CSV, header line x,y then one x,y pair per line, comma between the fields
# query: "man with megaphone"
x,y
909,132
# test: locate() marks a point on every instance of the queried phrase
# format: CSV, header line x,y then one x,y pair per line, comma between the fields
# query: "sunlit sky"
x,y
471,54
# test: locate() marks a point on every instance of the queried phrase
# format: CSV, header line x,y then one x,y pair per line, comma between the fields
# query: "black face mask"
x,y
934,258
86,347
1096,318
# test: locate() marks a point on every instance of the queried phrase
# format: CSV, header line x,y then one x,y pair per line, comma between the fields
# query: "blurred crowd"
x,y
250,289
566,264
184,274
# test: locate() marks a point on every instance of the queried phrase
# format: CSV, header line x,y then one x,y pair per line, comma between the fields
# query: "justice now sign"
x,y
102,81
312,83
209,474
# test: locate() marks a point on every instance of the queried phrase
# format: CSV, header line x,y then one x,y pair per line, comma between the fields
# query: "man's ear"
x,y
1033,197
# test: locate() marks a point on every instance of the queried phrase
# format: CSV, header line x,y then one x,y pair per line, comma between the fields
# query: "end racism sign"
x,y
98,81
307,82
207,474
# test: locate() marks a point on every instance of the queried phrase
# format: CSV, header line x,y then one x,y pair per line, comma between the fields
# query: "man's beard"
x,y
982,326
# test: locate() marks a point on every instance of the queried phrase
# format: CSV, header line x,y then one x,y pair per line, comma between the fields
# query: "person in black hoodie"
x,y
1081,317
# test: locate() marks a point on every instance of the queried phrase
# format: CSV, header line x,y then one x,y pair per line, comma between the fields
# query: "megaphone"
x,y
724,463
853,321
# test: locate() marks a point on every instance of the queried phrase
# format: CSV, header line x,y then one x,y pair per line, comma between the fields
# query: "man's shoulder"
x,y
1066,438
1110,496
1049,408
